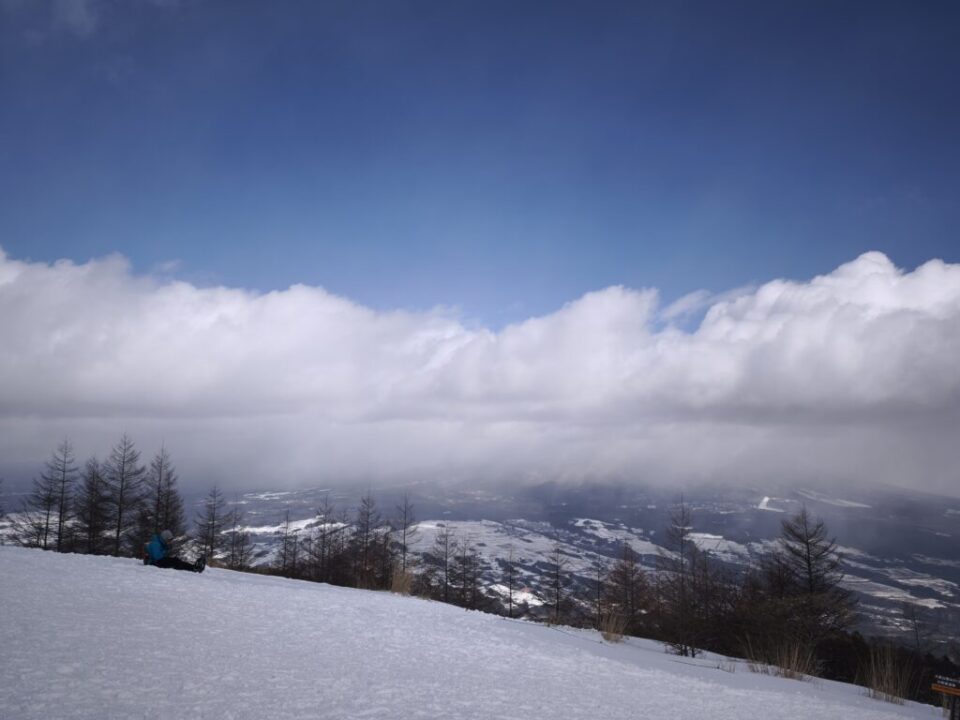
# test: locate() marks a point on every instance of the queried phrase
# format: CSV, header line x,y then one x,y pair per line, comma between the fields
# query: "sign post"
x,y
950,689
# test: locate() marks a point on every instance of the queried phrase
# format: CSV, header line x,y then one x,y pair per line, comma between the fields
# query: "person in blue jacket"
x,y
158,553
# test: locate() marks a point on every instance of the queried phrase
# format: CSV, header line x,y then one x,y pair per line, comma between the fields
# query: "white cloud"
x,y
852,375
697,301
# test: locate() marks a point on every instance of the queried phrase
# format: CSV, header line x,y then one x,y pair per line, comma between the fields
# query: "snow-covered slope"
x,y
92,637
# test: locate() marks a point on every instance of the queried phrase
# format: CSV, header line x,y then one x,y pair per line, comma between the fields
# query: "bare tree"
x,y
124,475
794,602
93,509
367,528
627,594
209,523
714,595
288,561
557,579
239,546
914,619
324,540
60,474
676,606
510,572
33,526
406,529
600,572
161,507
444,548
809,553
811,561
466,573
163,497
340,565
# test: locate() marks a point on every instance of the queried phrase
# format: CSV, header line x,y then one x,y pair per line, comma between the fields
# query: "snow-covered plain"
x,y
93,637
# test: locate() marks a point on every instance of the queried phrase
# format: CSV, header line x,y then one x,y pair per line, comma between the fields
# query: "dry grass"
x,y
796,661
612,627
402,583
788,659
888,678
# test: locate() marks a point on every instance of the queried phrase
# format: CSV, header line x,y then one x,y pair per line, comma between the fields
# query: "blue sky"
x,y
501,157
533,166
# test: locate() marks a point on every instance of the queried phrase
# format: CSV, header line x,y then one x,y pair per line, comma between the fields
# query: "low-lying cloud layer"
x,y
854,375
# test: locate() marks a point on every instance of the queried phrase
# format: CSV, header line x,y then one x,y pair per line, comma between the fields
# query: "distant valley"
x,y
901,554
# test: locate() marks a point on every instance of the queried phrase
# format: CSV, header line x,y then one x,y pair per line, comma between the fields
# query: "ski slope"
x,y
94,637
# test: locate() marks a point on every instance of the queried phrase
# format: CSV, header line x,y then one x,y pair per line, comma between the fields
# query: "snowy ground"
x,y
87,637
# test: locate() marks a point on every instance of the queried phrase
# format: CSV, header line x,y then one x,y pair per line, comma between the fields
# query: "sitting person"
x,y
158,553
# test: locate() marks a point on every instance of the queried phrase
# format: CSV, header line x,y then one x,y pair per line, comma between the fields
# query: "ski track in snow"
x,y
93,637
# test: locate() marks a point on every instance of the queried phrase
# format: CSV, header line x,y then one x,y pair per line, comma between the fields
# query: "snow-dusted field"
x,y
90,637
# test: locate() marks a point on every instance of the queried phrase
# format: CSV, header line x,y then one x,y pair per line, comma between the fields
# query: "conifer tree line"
x,y
362,549
788,610
792,600
104,507
367,549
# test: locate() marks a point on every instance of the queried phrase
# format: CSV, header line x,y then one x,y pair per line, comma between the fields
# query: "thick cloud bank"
x,y
852,375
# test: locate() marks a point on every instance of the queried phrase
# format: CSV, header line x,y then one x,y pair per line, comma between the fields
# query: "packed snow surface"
x,y
820,497
719,547
887,592
765,505
93,637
